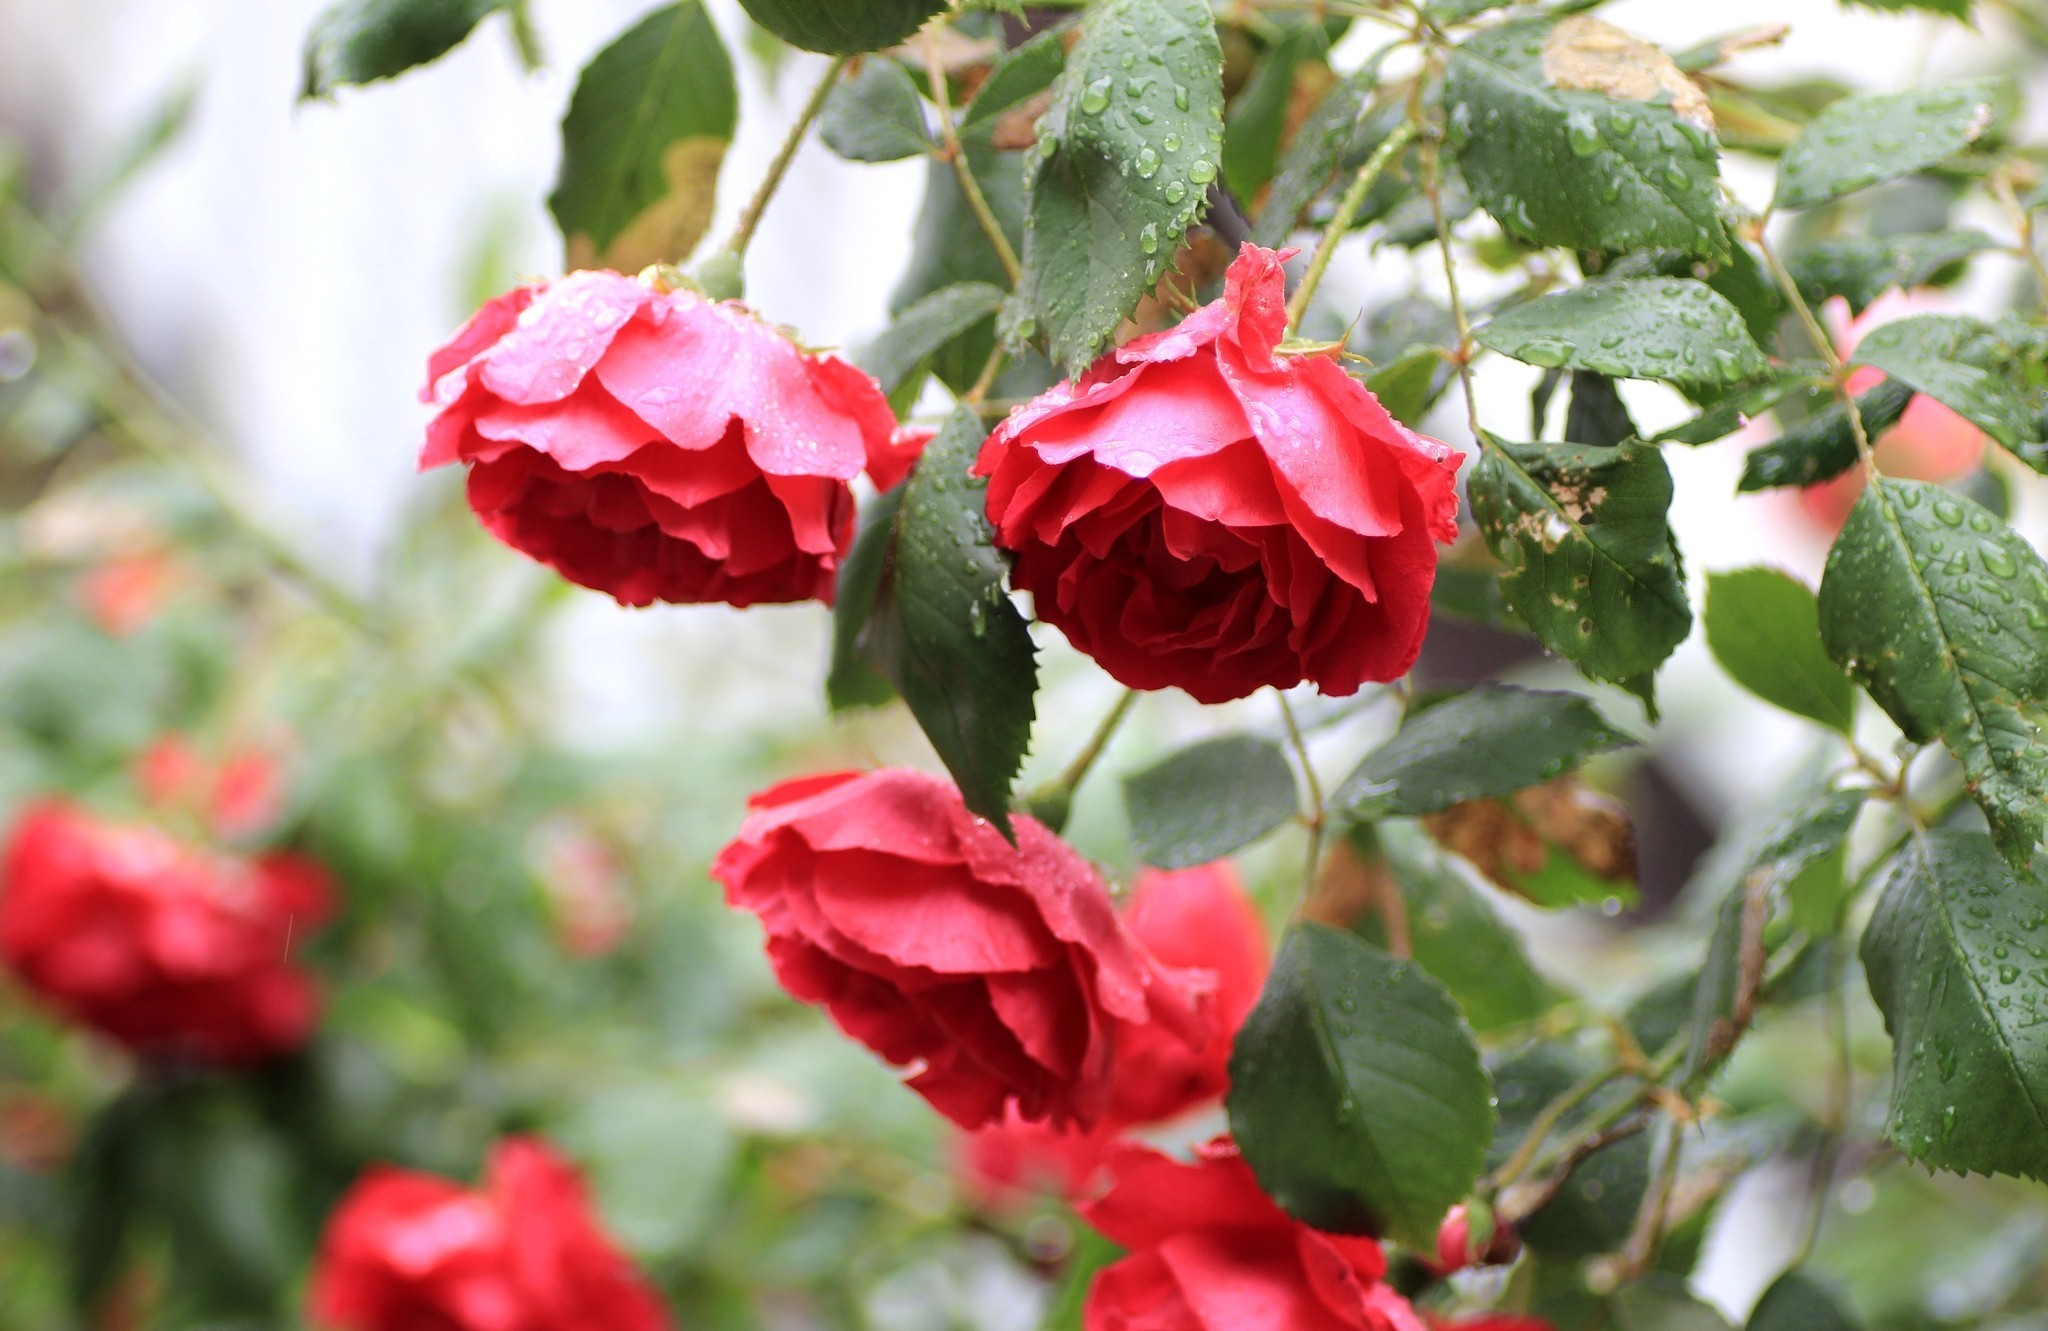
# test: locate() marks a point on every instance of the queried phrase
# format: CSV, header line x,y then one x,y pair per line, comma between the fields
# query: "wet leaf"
x,y
1018,77
1589,560
851,682
1955,360
1954,955
1824,444
1124,162
1564,166
944,632
1305,170
1941,611
1868,138
1796,1301
1674,329
647,128
1200,804
1493,740
1356,1091
1764,628
1861,268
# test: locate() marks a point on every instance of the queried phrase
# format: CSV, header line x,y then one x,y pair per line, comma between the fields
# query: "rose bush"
x,y
1000,970
406,1251
171,949
657,445
1205,511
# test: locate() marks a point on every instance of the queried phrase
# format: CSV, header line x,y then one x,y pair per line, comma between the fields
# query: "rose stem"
x,y
1346,214
743,234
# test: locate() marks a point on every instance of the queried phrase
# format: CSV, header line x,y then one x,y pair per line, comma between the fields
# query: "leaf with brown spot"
x,y
670,227
1592,55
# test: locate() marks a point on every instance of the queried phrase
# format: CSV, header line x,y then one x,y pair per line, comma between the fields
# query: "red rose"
x,y
1200,922
999,970
166,947
656,445
1200,512
1209,1251
412,1252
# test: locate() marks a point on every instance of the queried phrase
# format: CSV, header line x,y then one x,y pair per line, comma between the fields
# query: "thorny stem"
x,y
1432,189
750,219
1612,1128
1546,1123
1314,819
1346,214
956,156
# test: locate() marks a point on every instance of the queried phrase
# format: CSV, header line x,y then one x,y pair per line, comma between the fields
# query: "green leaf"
x,y
1356,1092
1589,560
1862,140
1824,444
850,682
1125,158
1954,359
1861,268
360,41
1016,78
1947,953
1558,166
922,329
1209,799
647,128
948,246
875,116
1258,115
1312,157
1803,853
1764,628
1592,1212
842,27
1674,329
945,634
1941,611
1407,387
1597,415
1959,9
1456,935
1727,414
1494,740
1662,1303
1796,1301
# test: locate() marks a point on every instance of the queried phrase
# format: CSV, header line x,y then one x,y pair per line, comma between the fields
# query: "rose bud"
x,y
170,949
1455,1250
1209,1251
1929,442
1199,922
1000,971
1198,511
405,1250
656,445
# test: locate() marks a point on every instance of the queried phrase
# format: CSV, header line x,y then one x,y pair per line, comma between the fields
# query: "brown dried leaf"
x,y
1017,128
1510,840
1593,55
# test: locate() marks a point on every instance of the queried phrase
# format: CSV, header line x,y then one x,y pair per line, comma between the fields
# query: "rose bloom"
x,y
240,795
1929,443
1197,511
168,948
1209,1251
1199,922
406,1251
657,445
999,972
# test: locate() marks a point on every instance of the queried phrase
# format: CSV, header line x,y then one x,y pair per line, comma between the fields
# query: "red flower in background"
x,y
123,593
166,947
1198,921
406,1251
1491,1322
240,795
1929,443
657,445
1000,971
1209,1251
1199,512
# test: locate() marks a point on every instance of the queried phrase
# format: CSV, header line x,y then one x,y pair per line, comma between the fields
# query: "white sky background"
x,y
286,269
